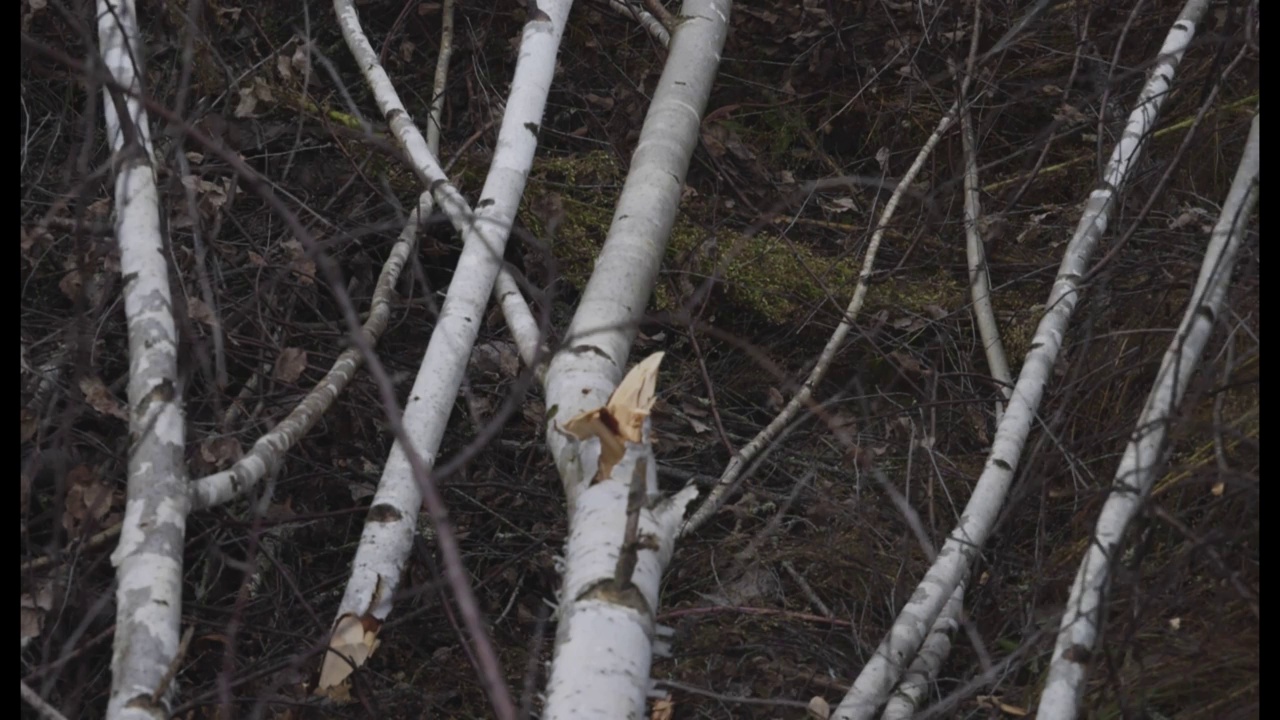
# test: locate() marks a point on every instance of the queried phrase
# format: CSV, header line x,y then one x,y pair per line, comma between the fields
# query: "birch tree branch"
x,y
732,476
148,559
621,536
914,688
441,77
871,688
269,450
505,290
520,321
388,533
912,692
979,276
1145,453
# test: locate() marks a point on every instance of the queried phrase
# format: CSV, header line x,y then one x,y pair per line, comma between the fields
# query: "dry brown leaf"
x,y
290,365
220,452
908,363
712,140
28,424
247,104
663,708
99,209
844,427
199,311
301,59
300,263
534,412
354,639
688,409
35,606
497,358
282,67
28,239
70,284
819,708
88,500
776,401
979,422
603,102
100,398
262,90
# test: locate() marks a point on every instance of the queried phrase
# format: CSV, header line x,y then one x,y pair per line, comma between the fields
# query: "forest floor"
x,y
786,593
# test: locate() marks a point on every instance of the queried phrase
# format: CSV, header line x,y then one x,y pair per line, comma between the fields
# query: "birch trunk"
x,y
605,639
148,559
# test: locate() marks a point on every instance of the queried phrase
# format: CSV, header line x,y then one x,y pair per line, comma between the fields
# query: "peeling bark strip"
x,y
149,556
881,673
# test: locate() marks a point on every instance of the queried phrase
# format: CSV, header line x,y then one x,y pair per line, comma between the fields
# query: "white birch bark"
x,y
605,637
979,278
871,688
442,77
651,24
1145,453
148,559
524,328
605,642
599,338
388,533
402,126
914,688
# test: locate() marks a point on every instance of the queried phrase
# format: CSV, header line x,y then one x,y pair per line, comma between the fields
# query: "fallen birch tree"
x,y
622,530
1144,455
148,557
606,617
871,688
392,521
